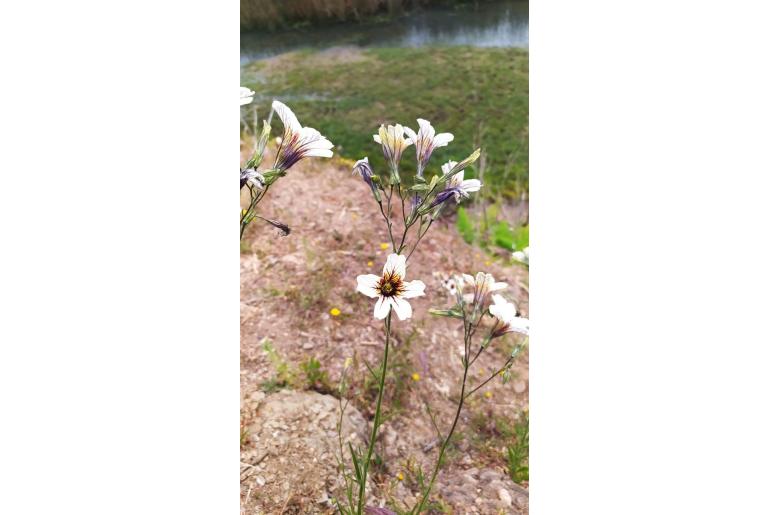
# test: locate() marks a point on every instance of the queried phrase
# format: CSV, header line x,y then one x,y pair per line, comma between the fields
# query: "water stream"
x,y
490,24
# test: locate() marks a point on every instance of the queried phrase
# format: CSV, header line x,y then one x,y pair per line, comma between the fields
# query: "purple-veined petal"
x,y
402,307
367,285
287,116
396,265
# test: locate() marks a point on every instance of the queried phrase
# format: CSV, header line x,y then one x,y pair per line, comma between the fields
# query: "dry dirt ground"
x,y
289,284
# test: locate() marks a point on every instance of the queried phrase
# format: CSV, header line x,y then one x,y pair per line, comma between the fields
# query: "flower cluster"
x,y
428,198
297,143
390,288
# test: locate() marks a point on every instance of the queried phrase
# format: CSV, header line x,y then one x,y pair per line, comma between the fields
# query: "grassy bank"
x,y
271,14
480,95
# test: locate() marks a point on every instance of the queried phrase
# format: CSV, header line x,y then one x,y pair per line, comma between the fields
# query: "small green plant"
x,y
465,225
284,376
484,229
308,375
518,453
316,378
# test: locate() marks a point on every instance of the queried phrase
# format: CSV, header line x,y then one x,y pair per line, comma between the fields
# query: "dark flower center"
x,y
390,285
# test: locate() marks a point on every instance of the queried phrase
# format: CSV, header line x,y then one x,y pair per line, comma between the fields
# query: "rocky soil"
x,y
290,408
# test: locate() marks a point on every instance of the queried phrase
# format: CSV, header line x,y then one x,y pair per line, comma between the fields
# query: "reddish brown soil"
x,y
288,287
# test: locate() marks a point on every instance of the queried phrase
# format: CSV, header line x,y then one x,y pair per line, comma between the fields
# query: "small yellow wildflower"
x,y
400,476
384,246
488,395
370,264
487,262
335,312
415,377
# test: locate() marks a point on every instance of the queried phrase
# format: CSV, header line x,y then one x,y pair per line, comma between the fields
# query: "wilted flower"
x,y
247,96
364,169
253,177
390,289
425,141
483,284
507,317
522,256
298,142
393,145
456,186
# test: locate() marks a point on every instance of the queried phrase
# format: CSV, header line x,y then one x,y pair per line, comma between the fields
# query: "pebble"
x,y
504,497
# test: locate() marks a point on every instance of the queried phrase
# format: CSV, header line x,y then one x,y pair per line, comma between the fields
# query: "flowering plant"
x,y
297,143
422,201
473,307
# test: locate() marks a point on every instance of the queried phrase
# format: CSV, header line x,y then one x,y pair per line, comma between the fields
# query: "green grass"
x,y
481,95
518,453
484,228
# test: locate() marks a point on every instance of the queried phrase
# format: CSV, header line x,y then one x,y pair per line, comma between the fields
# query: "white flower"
x,y
507,318
456,187
390,289
522,256
483,284
393,144
425,141
247,96
298,142
253,177
464,187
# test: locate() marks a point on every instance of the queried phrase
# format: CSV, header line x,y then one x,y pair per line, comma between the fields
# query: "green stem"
x,y
375,425
421,234
490,377
418,508
387,222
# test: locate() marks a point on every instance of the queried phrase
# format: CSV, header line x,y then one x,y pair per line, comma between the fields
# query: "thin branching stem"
x,y
508,362
421,234
446,441
376,423
388,223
